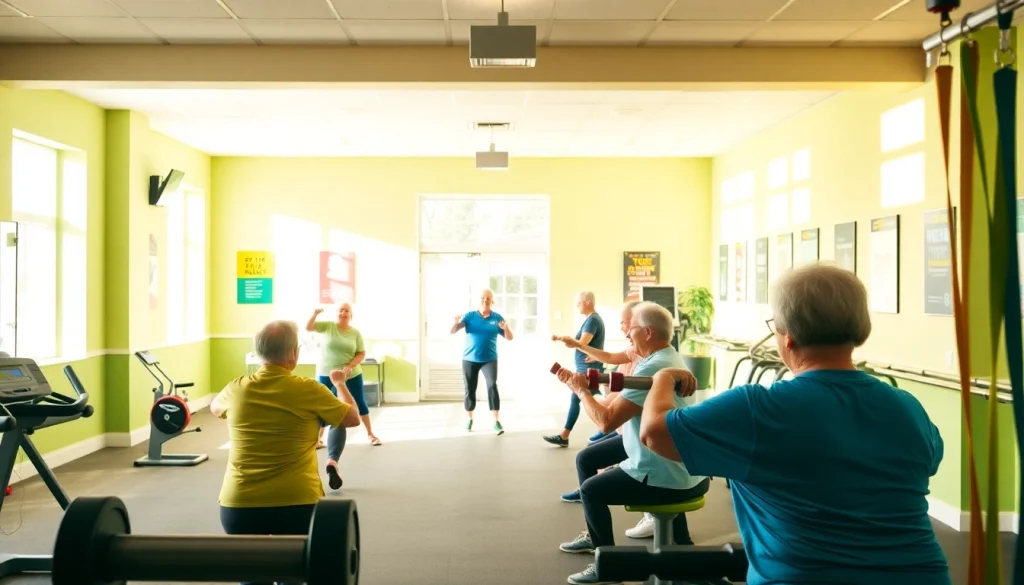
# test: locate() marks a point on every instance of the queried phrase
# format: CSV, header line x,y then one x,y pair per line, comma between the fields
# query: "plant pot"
x,y
701,367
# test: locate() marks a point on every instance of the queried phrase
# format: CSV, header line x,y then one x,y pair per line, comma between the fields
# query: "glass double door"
x,y
451,284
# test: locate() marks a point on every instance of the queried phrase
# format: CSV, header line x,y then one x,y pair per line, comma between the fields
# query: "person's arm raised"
x,y
311,324
460,322
605,357
608,414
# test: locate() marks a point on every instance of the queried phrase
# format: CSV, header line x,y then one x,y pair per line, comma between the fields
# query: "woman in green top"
x,y
342,350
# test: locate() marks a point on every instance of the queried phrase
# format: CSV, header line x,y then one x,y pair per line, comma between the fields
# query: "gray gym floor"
x,y
436,506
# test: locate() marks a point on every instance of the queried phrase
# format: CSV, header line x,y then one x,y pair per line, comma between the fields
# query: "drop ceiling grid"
x,y
572,22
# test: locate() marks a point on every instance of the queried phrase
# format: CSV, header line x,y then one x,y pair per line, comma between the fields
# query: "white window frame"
x,y
70,254
185,311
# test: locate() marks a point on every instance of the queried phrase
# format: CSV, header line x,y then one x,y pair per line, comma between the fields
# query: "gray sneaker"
x,y
588,576
581,545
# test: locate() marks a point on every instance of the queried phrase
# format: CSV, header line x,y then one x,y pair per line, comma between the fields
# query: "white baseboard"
x,y
25,469
401,398
960,520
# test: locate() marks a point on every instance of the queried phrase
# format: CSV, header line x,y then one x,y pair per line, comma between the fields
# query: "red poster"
x,y
337,278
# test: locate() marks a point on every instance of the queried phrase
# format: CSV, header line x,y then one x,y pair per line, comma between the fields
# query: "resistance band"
x,y
944,81
1005,84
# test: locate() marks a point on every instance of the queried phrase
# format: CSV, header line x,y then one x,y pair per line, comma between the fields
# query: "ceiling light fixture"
x,y
502,46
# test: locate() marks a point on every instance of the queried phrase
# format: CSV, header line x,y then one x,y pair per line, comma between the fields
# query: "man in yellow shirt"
x,y
271,482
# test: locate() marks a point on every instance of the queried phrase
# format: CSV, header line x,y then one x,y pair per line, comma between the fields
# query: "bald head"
x,y
278,342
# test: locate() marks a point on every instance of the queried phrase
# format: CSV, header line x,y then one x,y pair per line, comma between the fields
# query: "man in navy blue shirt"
x,y
829,471
591,333
483,326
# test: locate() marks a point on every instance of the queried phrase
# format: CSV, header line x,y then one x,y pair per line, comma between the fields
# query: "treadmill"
x,y
28,403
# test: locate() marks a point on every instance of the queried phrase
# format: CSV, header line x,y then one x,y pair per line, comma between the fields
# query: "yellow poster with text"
x,y
255,264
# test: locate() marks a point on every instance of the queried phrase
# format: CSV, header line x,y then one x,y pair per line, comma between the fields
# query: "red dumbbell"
x,y
616,381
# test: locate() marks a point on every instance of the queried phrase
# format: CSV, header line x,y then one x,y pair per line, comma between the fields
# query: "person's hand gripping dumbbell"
x,y
685,386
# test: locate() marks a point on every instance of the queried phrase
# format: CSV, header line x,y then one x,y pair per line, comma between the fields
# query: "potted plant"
x,y
696,307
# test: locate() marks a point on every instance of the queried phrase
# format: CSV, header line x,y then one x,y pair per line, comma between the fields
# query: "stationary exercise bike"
x,y
168,418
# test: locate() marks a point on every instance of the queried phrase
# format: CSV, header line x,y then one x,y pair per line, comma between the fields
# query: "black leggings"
x,y
281,520
470,375
616,487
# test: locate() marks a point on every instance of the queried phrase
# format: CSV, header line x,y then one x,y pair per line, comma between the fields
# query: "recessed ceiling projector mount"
x,y
502,46
492,160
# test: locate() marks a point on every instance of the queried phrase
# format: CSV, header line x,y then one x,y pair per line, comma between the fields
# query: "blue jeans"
x,y
337,436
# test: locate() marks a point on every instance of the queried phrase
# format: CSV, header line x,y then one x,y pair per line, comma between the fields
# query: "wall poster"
x,y
740,271
255,272
337,278
723,272
783,257
884,283
639,269
846,246
809,250
938,265
761,271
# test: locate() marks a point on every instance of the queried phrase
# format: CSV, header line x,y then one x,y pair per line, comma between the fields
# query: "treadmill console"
x,y
21,380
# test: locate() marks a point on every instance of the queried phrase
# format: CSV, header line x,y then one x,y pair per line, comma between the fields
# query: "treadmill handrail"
x,y
55,404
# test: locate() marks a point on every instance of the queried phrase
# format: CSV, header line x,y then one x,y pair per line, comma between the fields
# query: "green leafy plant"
x,y
696,304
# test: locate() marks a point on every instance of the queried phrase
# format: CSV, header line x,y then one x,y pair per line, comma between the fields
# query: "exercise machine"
x,y
95,546
712,565
168,418
27,404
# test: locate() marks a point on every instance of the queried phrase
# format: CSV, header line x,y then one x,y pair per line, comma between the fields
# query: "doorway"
x,y
468,244
451,285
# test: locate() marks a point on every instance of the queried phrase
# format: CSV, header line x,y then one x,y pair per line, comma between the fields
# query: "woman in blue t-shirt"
x,y
483,326
829,470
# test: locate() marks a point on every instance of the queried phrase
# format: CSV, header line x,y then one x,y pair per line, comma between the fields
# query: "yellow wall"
x,y
599,209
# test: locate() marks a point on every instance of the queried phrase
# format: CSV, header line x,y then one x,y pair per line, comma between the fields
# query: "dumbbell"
x,y
672,563
615,380
95,547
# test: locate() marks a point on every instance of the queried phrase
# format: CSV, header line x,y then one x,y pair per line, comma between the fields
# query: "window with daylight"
x,y
49,203
456,224
902,173
186,265
515,297
737,207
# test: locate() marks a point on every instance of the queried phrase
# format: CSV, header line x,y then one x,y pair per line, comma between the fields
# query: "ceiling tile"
x,y
173,8
100,30
719,10
406,32
15,29
197,30
66,7
280,8
916,10
460,28
824,10
610,9
705,33
488,10
894,32
598,33
802,33
392,9
296,31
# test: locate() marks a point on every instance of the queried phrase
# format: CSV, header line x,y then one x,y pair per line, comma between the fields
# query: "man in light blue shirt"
x,y
829,471
642,477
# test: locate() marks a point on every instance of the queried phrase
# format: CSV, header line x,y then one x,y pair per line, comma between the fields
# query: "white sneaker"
x,y
643,529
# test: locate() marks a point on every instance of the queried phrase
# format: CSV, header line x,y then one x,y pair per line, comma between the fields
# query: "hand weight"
x,y
95,547
615,380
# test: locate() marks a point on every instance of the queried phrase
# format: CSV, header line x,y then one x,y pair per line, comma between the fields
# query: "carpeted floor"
x,y
437,506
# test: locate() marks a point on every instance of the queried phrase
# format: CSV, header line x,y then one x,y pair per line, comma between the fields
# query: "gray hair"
x,y
821,305
630,306
654,316
587,297
277,341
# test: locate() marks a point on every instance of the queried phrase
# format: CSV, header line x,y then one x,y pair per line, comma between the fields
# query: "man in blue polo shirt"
x,y
591,333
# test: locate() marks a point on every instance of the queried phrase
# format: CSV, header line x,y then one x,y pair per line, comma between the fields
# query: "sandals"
x,y
375,441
